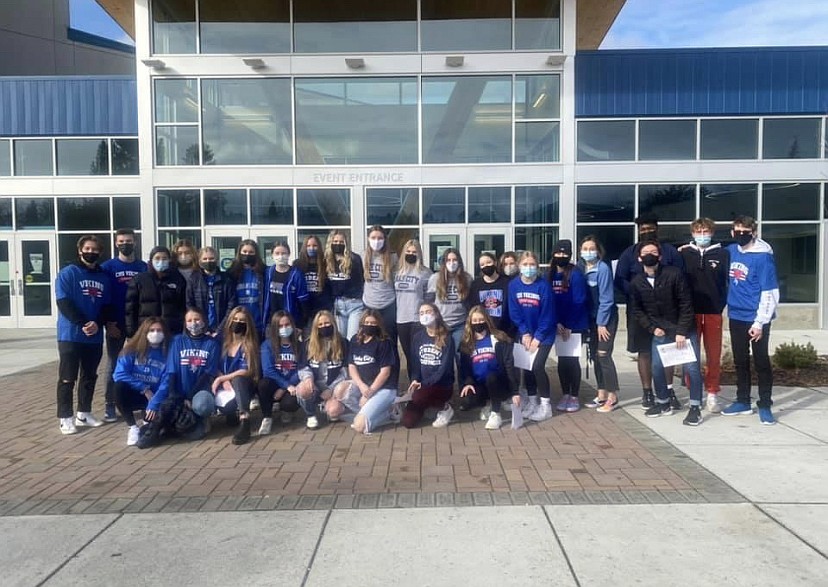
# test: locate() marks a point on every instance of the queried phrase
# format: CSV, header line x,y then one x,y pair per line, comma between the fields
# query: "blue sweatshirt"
x,y
229,364
432,365
121,274
571,303
250,294
532,309
754,291
191,363
286,295
602,293
141,374
283,368
83,293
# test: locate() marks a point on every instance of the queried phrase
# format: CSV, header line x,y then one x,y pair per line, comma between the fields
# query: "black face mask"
x,y
479,328
209,266
411,259
743,239
248,259
649,260
371,330
561,261
126,249
648,236
338,249
90,258
488,270
326,331
238,328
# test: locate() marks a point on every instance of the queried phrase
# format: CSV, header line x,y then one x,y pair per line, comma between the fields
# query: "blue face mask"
x,y
312,252
160,265
702,240
589,256
529,271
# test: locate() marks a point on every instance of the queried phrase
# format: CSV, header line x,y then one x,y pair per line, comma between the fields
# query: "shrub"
x,y
795,356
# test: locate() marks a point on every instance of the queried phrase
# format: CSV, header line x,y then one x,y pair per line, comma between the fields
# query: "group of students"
x,y
186,340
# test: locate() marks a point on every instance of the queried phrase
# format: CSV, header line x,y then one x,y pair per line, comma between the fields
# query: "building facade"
x,y
484,126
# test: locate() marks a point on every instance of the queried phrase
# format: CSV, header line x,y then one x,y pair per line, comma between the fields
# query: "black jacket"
x,y
224,295
707,276
668,304
153,294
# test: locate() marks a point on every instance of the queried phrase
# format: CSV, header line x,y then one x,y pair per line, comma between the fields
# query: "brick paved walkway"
x,y
575,458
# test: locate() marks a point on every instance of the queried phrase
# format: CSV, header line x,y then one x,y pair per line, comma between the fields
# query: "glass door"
x,y
267,237
28,270
439,238
8,283
471,241
226,242
486,240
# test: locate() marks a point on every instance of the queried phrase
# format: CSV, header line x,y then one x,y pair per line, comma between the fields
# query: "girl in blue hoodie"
x,y
139,370
285,287
281,355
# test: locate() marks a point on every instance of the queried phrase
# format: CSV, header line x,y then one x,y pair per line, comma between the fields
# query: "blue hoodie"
x,y
290,296
141,374
570,303
754,291
532,309
82,294
602,292
250,294
121,274
282,368
191,363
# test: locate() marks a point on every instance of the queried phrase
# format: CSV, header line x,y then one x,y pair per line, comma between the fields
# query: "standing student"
x,y
139,372
281,355
603,323
83,292
532,308
311,262
490,290
570,289
410,284
323,369
247,271
508,264
380,263
160,291
285,286
448,290
345,274
185,257
706,264
238,370
752,298
121,268
432,370
486,366
211,290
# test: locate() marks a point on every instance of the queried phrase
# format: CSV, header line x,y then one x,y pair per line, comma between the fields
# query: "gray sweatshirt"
x,y
411,292
452,308
378,293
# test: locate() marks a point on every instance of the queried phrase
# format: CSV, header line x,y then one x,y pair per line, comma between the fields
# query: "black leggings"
x,y
569,372
537,381
128,400
606,374
496,388
75,357
742,349
406,332
244,388
267,390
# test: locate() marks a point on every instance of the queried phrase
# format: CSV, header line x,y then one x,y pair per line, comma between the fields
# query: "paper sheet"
x,y
224,397
570,347
523,358
517,416
672,355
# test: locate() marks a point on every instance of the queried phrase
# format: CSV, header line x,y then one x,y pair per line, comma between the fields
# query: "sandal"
x,y
607,407
596,402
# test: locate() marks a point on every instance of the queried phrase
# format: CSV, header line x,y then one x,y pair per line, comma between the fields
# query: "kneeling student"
x,y
280,369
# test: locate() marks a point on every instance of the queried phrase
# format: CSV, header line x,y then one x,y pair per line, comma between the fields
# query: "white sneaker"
x,y
133,435
542,412
485,412
313,422
443,417
528,405
494,422
87,420
713,404
67,426
254,404
266,426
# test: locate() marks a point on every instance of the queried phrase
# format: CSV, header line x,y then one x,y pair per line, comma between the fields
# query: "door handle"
x,y
12,291
20,286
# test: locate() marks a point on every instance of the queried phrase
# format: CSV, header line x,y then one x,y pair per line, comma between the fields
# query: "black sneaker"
x,y
659,410
693,417
242,435
647,399
150,435
674,401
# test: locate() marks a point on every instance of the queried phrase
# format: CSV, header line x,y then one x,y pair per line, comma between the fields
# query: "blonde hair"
x,y
330,258
467,343
528,255
138,345
460,276
321,349
250,340
402,266
385,253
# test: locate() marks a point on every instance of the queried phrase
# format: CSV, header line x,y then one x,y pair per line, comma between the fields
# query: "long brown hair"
x,y
385,253
330,258
322,349
250,340
376,315
237,266
467,343
139,346
439,326
273,332
303,262
461,276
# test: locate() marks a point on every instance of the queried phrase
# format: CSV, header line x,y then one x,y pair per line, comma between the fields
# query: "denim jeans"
x,y
348,312
311,404
691,370
204,403
377,410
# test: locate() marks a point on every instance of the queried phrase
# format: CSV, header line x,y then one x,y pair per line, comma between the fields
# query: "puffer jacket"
x,y
224,295
153,294
667,304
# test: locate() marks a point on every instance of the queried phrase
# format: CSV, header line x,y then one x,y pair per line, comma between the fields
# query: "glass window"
x,y
537,96
179,208
34,213
606,140
357,26
247,121
790,201
168,238
359,121
727,201
614,239
5,158
82,157
444,205
68,246
124,156
6,213
126,213
83,214
796,251
537,204
271,206
253,26
490,204
791,138
668,202
729,139
173,26
33,157
606,203
5,278
678,234
467,119
397,237
392,206
176,100
178,145
225,207
537,142
666,140
466,26
323,207
537,24
539,239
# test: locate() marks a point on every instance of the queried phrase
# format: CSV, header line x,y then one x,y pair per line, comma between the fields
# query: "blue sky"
x,y
642,23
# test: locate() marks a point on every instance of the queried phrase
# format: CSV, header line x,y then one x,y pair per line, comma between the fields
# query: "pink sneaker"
x,y
574,404
563,404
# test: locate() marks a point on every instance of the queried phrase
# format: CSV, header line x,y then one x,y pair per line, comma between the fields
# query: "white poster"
x,y
523,358
672,355
571,347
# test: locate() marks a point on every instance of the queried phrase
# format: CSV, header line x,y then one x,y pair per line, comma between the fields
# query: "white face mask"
x,y
376,244
281,260
155,337
510,270
427,319
452,266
